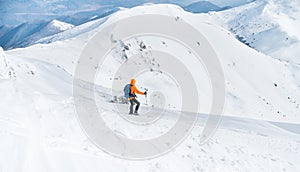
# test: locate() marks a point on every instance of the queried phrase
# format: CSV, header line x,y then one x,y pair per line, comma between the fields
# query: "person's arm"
x,y
135,90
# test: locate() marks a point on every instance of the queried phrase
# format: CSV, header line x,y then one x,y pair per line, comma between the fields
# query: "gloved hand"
x,y
145,92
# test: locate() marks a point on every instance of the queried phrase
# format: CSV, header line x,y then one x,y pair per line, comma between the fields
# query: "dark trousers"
x,y
132,103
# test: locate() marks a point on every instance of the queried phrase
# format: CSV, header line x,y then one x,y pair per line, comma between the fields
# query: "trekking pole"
x,y
146,96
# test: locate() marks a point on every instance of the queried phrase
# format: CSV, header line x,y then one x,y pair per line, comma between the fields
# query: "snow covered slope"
x,y
270,26
250,93
39,130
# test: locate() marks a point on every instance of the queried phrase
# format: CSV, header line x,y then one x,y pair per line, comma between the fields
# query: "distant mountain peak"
x,y
202,7
60,25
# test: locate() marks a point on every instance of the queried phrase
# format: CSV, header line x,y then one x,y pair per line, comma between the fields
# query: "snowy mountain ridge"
x,y
39,129
60,25
257,23
32,15
27,33
69,64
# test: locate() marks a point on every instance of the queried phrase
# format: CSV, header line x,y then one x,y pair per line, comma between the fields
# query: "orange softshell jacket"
x,y
133,89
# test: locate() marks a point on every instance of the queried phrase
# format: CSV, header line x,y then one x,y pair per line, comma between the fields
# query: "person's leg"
x,y
131,106
137,105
